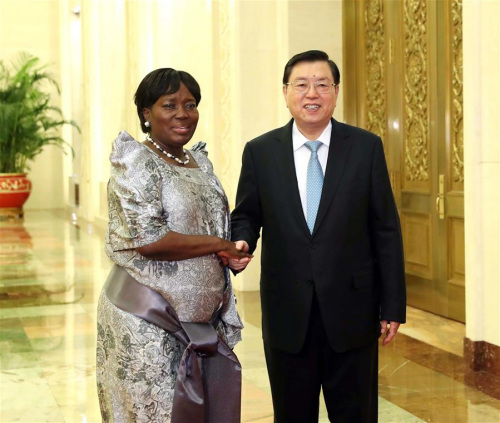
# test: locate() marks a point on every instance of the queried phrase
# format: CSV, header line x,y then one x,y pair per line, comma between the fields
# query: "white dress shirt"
x,y
301,155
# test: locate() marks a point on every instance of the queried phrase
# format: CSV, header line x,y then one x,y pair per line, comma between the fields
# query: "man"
x,y
332,270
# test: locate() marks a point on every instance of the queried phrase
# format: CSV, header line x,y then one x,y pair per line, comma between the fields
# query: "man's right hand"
x,y
240,264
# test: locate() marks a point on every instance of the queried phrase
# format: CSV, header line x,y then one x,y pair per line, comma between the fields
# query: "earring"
x,y
147,124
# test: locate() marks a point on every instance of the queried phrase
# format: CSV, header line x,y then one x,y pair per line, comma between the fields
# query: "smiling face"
x,y
173,119
311,110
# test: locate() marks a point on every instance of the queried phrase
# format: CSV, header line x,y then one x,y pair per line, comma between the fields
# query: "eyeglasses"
x,y
302,86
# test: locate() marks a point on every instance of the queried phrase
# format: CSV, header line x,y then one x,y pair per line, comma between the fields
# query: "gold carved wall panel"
x,y
376,93
456,251
416,138
417,236
456,133
406,86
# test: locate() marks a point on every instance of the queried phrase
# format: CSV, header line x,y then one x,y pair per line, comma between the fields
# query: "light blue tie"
x,y
314,183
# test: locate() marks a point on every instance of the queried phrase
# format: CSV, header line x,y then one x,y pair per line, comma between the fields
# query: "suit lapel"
x,y
283,153
338,154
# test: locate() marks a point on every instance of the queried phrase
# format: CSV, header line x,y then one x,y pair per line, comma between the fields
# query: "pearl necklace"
x,y
152,141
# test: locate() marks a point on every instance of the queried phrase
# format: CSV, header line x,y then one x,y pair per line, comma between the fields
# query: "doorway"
x,y
403,81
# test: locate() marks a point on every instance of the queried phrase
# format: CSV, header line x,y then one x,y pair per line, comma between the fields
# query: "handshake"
x,y
236,255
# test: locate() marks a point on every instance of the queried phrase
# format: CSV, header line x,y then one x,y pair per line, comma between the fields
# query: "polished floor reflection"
x,y
52,270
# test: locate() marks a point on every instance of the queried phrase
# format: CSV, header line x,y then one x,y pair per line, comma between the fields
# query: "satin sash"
x,y
208,385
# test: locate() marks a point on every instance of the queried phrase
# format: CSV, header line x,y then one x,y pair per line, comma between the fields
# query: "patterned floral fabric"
x,y
136,361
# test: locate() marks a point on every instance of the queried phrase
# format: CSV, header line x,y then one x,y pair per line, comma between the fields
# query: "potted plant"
x,y
28,123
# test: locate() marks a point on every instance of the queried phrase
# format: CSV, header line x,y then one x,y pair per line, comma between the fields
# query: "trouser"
x,y
349,379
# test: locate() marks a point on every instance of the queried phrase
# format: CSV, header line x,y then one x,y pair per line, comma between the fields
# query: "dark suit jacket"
x,y
353,259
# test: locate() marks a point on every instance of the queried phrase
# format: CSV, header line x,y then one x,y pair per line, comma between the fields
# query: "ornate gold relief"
x,y
457,94
375,68
415,91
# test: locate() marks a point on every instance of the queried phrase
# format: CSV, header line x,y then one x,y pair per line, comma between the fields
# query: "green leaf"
x,y
28,120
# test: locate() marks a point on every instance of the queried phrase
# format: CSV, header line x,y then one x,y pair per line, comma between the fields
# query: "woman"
x,y
169,230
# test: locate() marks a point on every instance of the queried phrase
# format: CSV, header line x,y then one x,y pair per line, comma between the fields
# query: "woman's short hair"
x,y
161,82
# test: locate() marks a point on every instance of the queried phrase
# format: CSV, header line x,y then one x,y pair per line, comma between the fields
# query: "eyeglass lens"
x,y
301,86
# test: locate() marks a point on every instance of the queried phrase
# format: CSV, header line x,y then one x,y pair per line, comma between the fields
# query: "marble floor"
x,y
52,270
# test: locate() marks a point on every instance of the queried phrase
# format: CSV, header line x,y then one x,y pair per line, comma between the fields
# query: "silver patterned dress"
x,y
137,361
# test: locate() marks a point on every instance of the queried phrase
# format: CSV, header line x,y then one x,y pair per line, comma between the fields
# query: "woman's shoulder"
x,y
127,147
128,154
125,142
200,153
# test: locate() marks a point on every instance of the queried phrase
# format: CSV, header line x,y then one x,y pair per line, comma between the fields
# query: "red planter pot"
x,y
15,188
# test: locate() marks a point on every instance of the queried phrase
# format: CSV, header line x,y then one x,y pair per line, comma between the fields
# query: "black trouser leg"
x,y
349,380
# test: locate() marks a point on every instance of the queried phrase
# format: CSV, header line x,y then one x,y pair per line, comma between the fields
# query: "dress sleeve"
x,y
200,154
136,213
200,146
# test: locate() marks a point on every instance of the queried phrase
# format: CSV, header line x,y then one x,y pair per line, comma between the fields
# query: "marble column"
x,y
481,71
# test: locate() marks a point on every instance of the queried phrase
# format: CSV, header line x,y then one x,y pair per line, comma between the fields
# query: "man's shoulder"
x,y
355,132
274,134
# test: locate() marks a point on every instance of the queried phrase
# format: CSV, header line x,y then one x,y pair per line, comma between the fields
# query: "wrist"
x,y
220,244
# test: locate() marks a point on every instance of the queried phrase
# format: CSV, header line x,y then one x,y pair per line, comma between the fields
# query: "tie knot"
x,y
313,145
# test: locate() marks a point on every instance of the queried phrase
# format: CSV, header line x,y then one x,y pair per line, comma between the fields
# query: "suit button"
x,y
313,246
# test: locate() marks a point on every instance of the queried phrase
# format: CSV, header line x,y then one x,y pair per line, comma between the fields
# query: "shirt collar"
x,y
299,140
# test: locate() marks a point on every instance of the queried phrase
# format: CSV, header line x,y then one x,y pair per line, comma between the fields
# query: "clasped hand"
x,y
236,255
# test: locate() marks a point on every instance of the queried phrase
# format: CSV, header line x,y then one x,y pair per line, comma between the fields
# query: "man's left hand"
x,y
389,334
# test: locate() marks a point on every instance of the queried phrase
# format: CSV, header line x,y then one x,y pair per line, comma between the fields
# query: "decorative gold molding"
x,y
457,93
376,114
415,91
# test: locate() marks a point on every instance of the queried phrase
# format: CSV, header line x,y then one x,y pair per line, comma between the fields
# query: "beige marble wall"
x,y
32,26
107,96
481,55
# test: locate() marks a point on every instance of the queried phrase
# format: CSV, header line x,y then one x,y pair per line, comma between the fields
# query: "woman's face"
x,y
173,118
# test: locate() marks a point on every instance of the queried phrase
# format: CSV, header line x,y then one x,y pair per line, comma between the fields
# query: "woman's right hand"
x,y
234,251
239,263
